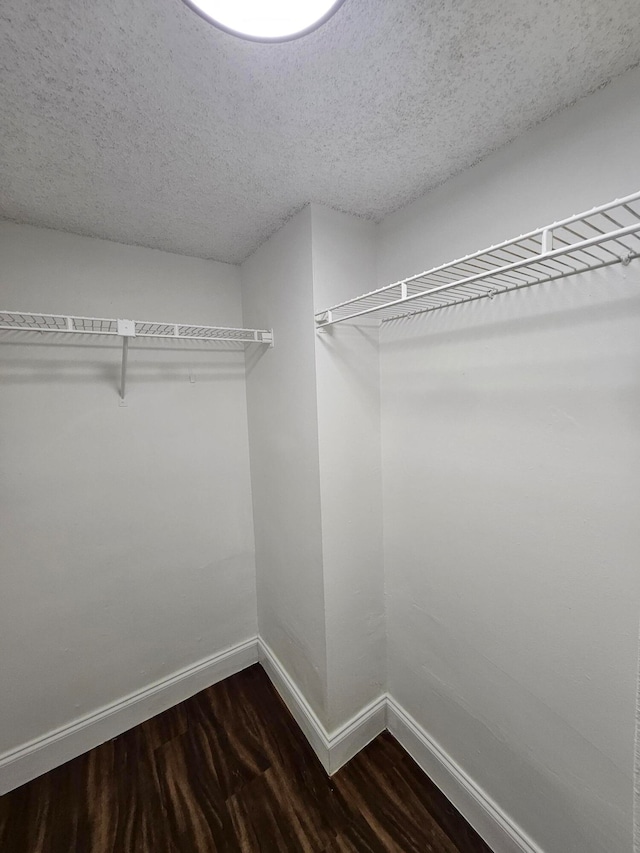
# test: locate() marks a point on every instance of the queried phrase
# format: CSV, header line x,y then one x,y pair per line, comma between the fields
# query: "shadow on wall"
x,y
476,360
588,300
333,337
27,358
351,346
253,354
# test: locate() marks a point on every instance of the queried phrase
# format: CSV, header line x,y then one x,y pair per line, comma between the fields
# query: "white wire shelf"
x,y
29,321
601,237
32,322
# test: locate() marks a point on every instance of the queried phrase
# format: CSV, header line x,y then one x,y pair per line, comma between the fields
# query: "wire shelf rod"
x,y
426,310
536,259
604,248
71,324
29,321
532,235
498,271
482,275
617,224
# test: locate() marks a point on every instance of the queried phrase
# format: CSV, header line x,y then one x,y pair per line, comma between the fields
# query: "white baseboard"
x,y
501,833
347,740
332,748
335,749
301,710
42,754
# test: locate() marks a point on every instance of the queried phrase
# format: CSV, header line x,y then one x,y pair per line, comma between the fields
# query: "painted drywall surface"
x,y
127,540
348,383
511,445
283,435
636,769
517,190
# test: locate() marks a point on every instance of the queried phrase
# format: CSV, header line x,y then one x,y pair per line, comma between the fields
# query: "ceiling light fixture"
x,y
266,20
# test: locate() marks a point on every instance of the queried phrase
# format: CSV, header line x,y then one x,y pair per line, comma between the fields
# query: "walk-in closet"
x,y
320,426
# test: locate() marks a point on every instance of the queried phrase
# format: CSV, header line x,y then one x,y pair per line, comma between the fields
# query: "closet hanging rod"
x,y
600,237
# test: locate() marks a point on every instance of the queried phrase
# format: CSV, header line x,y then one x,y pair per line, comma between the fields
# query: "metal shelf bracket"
x,y
126,329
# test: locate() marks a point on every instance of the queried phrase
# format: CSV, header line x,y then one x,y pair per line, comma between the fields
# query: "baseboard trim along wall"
x,y
501,833
335,748
42,754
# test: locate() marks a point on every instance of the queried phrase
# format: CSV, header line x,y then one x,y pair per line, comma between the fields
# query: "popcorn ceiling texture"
x,y
136,121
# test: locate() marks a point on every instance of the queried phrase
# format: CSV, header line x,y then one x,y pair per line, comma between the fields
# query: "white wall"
x,y
126,533
314,425
348,386
511,450
277,292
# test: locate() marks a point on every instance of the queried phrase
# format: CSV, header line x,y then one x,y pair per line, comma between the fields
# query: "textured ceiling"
x,y
136,121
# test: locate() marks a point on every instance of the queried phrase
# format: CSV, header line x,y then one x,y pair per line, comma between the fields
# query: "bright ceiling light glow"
x,y
266,20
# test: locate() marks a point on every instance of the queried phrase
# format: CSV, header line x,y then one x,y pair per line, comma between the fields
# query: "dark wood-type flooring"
x,y
229,770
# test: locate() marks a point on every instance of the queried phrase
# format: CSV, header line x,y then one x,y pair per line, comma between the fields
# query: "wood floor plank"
x,y
385,801
229,770
288,751
398,793
26,813
120,800
432,798
232,752
196,818
356,837
265,818
164,727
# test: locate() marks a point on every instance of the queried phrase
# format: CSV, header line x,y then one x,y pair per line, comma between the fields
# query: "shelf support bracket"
x,y
123,371
126,329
